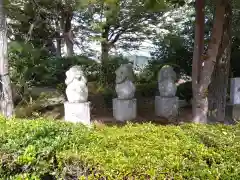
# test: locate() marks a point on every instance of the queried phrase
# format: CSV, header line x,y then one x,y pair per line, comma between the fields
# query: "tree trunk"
x,y
219,84
50,46
69,43
200,115
105,42
68,35
104,60
105,51
105,55
198,50
58,40
59,47
6,91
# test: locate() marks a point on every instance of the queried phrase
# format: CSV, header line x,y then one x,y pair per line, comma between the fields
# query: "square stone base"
x,y
166,107
124,110
77,112
235,93
233,113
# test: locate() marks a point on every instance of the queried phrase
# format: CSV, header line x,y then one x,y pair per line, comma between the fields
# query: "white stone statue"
x,y
125,88
166,81
77,91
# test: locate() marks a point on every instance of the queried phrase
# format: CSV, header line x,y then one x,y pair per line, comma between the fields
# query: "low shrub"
x,y
149,89
108,94
41,149
35,67
184,91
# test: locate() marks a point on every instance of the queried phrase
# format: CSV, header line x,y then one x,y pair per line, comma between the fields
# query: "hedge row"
x,y
44,149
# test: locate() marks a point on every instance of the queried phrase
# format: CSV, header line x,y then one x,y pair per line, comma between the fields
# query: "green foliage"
x,y
108,94
148,89
108,68
121,19
21,58
118,20
155,5
40,149
184,91
235,67
174,49
34,67
150,72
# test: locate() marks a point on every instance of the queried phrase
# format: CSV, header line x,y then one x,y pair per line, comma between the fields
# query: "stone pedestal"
x,y
235,91
77,112
233,113
124,110
166,107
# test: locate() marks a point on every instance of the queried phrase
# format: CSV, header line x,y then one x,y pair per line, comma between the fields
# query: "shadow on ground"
x,y
101,112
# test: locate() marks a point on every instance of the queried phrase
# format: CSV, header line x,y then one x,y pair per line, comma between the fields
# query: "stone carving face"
x,y
75,73
167,72
166,81
125,88
123,73
76,82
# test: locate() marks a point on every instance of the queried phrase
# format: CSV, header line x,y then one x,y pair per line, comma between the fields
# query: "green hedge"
x,y
41,149
149,89
184,91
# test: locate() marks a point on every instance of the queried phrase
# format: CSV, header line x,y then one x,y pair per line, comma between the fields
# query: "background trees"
x,y
42,32
203,66
6,92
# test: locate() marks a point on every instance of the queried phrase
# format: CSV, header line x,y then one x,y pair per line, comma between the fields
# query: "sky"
x,y
147,46
144,50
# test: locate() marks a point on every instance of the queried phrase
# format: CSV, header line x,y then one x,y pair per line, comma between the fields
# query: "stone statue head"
x,y
124,72
167,73
75,73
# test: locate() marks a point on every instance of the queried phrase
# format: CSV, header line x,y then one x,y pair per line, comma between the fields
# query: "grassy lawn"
x,y
39,149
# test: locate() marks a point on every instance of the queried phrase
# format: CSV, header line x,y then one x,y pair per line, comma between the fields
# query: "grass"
x,y
37,149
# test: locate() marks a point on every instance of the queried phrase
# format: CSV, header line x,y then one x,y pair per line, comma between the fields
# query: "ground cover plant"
x,y
45,149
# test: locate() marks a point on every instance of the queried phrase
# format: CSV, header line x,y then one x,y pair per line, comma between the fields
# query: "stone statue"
x,y
125,88
76,82
166,81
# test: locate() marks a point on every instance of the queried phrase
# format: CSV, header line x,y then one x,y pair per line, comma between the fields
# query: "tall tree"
x,y
219,85
175,39
6,92
200,106
46,22
198,51
124,23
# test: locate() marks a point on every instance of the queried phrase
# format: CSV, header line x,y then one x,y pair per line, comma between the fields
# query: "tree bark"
x,y
6,91
58,40
104,51
105,43
50,46
200,115
105,48
198,50
68,35
219,84
59,47
69,43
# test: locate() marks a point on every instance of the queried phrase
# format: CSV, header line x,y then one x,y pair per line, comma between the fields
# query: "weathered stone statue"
x,y
76,82
77,108
166,105
124,106
166,81
125,88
